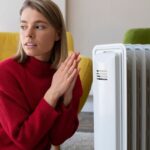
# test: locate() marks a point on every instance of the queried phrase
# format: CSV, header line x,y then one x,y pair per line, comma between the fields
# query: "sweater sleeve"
x,y
24,128
67,123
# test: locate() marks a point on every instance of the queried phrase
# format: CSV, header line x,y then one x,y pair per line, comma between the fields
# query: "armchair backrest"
x,y
9,42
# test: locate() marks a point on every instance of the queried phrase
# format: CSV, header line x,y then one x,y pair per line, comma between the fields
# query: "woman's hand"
x,y
68,93
63,80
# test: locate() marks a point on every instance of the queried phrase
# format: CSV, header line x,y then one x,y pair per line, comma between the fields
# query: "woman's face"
x,y
36,34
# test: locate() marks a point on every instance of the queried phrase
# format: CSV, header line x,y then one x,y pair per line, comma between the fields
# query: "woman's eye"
x,y
40,27
23,27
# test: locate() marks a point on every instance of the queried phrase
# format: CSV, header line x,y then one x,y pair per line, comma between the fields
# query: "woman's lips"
x,y
30,45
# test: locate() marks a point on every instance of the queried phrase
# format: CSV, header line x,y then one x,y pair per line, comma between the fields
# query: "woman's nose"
x,y
29,33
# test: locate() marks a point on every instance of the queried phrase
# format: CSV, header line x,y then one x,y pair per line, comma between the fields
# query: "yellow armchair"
x,y
8,47
8,44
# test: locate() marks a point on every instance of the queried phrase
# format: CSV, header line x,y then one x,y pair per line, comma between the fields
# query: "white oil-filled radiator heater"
x,y
121,90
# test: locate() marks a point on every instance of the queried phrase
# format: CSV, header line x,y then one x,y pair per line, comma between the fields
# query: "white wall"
x,y
104,21
90,21
9,13
62,5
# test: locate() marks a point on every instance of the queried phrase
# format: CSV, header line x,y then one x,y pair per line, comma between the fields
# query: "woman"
x,y
40,87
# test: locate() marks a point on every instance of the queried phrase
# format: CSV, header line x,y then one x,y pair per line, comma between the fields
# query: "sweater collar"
x,y
37,67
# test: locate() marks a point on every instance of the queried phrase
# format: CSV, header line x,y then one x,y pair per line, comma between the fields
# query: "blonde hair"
x,y
54,16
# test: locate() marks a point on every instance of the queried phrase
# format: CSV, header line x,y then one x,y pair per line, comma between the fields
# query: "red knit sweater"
x,y
27,121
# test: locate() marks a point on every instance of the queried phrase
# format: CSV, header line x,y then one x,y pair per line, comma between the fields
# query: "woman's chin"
x,y
29,53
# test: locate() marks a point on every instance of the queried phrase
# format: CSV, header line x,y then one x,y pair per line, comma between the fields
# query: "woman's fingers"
x,y
71,57
72,60
74,66
72,76
66,75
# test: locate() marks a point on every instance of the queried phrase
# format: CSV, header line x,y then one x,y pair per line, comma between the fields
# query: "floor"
x,y
83,139
79,141
86,122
